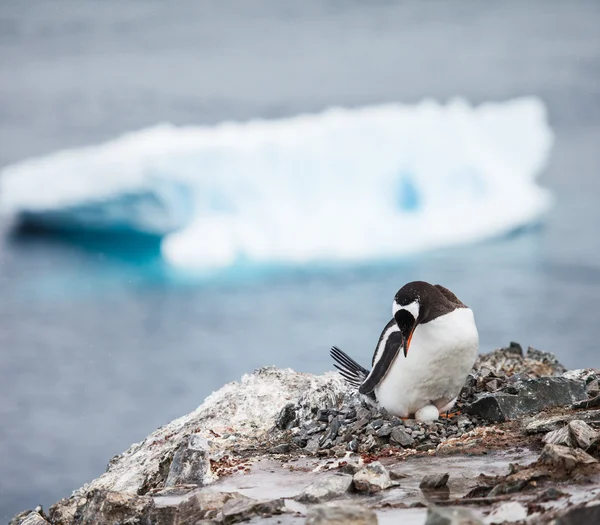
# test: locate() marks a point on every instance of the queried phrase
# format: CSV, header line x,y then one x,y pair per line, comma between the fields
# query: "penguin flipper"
x,y
348,368
383,362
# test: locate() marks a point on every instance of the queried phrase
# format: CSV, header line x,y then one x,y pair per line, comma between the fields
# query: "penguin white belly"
x,y
441,355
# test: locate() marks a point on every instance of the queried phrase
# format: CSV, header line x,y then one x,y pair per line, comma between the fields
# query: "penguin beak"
x,y
407,324
406,342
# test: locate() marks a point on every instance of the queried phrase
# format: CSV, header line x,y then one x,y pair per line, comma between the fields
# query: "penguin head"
x,y
409,308
407,318
419,302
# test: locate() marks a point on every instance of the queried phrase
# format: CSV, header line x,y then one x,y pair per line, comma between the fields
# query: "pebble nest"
x,y
352,425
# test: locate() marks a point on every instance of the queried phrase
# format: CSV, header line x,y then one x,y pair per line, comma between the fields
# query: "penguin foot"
x,y
450,415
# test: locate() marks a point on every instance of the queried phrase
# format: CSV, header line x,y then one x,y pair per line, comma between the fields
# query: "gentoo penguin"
x,y
439,341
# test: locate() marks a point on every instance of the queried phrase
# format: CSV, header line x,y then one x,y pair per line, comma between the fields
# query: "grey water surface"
x,y
99,348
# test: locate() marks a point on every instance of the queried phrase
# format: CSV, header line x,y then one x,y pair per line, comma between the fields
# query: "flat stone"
x,y
326,488
372,478
510,511
451,516
340,514
171,509
191,463
244,508
401,437
565,458
530,396
434,481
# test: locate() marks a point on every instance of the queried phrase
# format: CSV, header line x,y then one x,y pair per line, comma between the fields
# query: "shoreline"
x,y
285,447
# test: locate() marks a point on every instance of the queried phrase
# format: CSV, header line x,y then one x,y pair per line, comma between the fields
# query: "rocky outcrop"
x,y
322,442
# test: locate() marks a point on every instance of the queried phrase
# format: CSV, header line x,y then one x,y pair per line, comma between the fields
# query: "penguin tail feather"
x,y
349,369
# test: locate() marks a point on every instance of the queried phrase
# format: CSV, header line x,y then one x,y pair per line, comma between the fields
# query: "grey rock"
x,y
559,437
530,396
286,416
593,387
434,481
326,488
565,458
360,424
576,433
377,423
334,428
244,508
312,445
282,448
451,516
191,463
385,430
582,514
508,487
401,437
340,514
372,478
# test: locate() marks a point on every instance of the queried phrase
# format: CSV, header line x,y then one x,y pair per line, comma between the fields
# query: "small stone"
x,y
377,423
326,488
509,511
593,387
312,445
323,416
191,463
300,441
360,424
401,437
565,458
353,445
340,514
434,481
551,494
559,437
508,487
493,385
582,434
286,416
372,478
334,428
363,413
384,431
451,516
284,448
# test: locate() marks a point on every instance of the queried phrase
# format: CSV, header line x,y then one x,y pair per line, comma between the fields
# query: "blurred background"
x,y
140,273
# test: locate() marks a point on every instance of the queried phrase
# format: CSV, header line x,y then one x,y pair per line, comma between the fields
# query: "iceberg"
x,y
343,185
